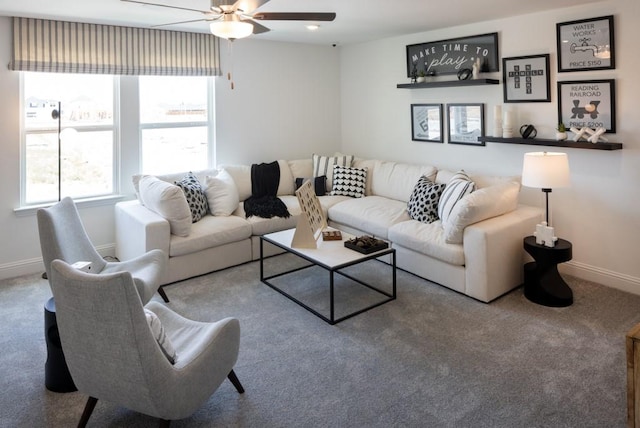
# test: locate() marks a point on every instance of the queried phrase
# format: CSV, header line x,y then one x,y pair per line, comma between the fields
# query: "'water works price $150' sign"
x,y
451,56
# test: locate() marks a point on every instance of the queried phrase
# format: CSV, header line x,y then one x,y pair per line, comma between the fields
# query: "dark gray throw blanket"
x,y
264,201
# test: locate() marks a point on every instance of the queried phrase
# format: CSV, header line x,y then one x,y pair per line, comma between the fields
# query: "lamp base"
x,y
545,235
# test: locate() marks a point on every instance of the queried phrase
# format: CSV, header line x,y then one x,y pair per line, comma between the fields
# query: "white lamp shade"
x,y
231,28
545,170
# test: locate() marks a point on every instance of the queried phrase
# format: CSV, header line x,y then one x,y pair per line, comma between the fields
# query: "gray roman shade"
x,y
72,47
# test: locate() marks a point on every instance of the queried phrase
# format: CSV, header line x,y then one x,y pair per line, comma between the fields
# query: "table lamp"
x,y
545,170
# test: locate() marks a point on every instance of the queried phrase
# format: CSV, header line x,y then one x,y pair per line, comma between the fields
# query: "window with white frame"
x,y
175,117
80,161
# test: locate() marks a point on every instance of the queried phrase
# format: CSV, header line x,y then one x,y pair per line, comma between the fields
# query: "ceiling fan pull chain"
x,y
230,72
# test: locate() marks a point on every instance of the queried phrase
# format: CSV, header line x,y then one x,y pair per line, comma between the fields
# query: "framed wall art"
x,y
465,123
589,103
586,44
526,79
452,55
426,122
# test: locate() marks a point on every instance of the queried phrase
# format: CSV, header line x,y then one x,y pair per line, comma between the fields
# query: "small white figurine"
x,y
594,135
544,235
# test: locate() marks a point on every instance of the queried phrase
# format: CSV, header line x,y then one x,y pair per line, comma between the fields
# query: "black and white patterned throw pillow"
x,y
457,188
196,197
349,181
423,204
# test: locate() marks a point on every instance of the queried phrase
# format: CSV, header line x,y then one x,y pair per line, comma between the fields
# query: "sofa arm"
x,y
138,230
494,253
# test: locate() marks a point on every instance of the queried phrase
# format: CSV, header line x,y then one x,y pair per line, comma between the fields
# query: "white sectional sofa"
x,y
487,263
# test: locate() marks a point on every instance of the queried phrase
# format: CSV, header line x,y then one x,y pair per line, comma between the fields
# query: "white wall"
x,y
599,213
286,105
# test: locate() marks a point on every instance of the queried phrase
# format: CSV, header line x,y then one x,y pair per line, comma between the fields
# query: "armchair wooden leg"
x,y
234,380
86,414
163,295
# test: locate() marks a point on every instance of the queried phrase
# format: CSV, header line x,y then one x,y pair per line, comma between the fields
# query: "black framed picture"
x,y
586,44
426,122
452,55
526,79
590,103
465,123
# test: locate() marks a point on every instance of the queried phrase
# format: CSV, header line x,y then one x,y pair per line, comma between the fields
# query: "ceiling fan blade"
x,y
295,16
257,28
181,22
163,5
248,6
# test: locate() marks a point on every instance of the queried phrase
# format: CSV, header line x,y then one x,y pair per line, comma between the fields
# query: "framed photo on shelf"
x,y
465,123
426,122
526,79
586,44
590,103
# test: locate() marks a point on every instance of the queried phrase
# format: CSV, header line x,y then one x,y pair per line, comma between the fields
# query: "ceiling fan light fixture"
x,y
230,27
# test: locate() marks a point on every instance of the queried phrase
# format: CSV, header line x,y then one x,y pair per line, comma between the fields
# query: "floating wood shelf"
x,y
554,143
442,84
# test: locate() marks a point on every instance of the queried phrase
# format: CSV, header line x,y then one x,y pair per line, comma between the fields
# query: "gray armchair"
x,y
62,236
113,355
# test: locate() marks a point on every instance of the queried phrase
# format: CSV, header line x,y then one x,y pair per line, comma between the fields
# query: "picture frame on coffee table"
x,y
587,103
426,122
465,123
526,79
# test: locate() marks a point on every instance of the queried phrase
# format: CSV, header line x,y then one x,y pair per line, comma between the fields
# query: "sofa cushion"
x,y
396,180
301,167
167,200
261,225
371,214
196,198
319,184
370,164
426,239
323,165
210,232
222,193
171,177
349,181
458,186
423,204
480,205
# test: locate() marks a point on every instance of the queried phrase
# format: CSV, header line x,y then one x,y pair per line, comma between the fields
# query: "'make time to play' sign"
x,y
451,56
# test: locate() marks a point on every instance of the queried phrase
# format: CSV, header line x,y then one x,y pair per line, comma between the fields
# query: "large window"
x,y
175,113
81,161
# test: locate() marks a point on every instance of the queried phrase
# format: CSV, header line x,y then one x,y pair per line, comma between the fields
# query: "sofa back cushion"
x,y
480,180
396,180
201,175
242,176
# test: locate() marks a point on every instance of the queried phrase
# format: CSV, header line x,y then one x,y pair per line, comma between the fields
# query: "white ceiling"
x,y
356,21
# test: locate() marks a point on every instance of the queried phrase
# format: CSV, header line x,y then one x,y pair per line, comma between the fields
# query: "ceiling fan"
x,y
238,20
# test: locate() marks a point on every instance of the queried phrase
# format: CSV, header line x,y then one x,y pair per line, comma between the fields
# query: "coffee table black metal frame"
x,y
333,269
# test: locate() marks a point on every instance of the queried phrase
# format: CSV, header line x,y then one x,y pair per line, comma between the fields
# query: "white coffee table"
x,y
333,256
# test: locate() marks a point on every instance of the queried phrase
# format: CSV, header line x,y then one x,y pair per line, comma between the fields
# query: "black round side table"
x,y
56,373
542,282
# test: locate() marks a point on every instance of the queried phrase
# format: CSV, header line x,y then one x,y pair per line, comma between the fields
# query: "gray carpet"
x,y
431,358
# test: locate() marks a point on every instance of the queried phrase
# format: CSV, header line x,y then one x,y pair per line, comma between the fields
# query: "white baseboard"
x,y
31,266
605,277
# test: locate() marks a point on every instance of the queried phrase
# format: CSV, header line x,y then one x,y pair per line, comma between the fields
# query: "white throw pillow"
x,y
167,200
459,186
480,205
222,194
160,336
323,165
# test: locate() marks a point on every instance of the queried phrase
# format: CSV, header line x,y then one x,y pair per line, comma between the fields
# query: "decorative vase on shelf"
x,y
421,79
